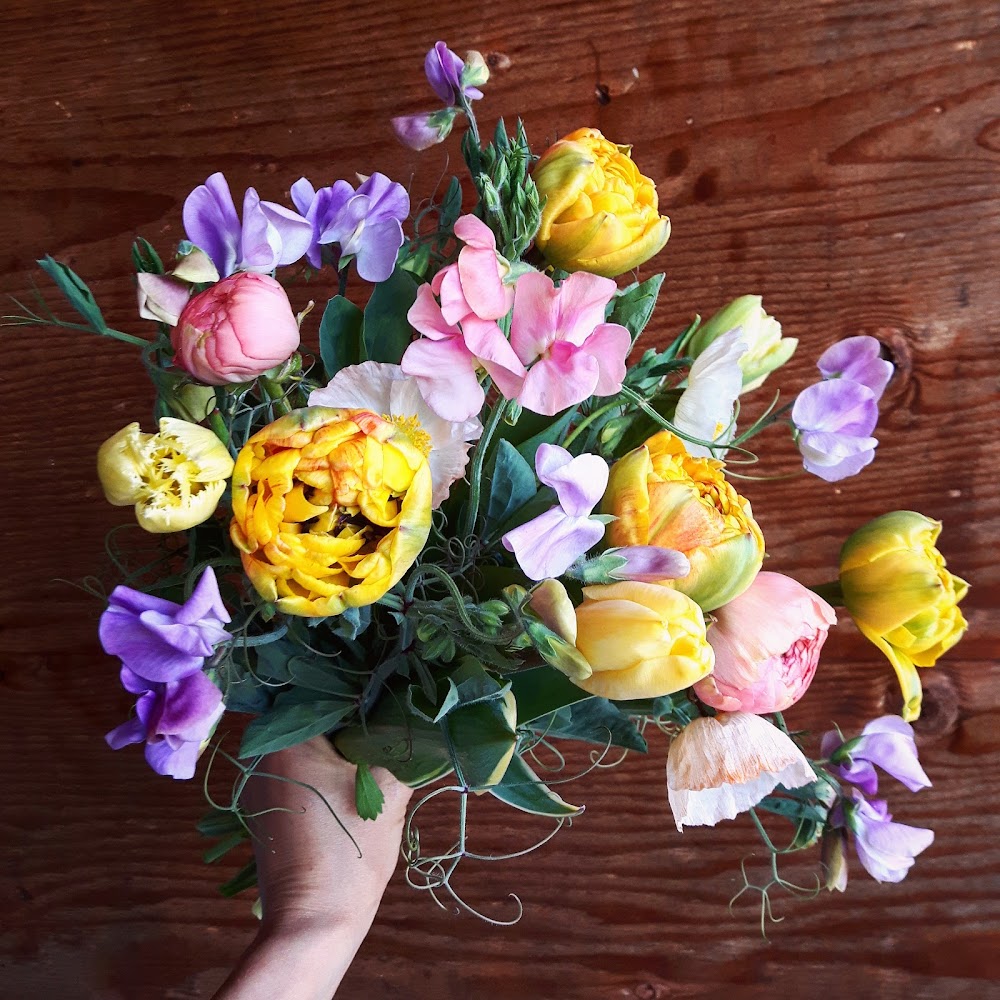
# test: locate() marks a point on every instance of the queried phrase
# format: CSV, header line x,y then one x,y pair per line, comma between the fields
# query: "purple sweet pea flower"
x,y
649,564
859,360
425,128
444,73
886,849
161,641
320,208
886,741
834,421
174,718
550,543
270,235
367,223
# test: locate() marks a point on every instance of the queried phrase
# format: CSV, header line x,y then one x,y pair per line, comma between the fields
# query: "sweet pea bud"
x,y
475,72
161,298
192,402
549,621
490,195
767,349
834,854
643,563
424,129
194,265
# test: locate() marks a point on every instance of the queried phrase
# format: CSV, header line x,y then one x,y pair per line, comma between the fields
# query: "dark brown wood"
x,y
841,159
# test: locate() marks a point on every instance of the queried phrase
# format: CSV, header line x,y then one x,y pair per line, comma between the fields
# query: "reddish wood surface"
x,y
840,158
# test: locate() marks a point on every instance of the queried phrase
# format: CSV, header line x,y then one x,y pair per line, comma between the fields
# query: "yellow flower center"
x,y
411,427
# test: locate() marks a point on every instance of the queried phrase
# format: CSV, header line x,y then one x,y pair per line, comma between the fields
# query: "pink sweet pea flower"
x,y
457,316
561,335
767,643
549,544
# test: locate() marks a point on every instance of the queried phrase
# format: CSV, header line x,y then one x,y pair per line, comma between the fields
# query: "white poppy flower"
x,y
720,767
385,390
705,409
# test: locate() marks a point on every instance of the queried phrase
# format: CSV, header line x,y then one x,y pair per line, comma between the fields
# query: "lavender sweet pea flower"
x,y
321,209
444,73
425,128
368,224
859,360
161,641
886,741
834,421
649,564
886,849
270,235
174,718
550,543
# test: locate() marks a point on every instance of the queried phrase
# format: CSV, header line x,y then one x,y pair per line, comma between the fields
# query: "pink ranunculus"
x,y
235,330
767,643
560,335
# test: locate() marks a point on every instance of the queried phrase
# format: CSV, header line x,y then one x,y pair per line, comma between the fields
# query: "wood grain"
x,y
841,159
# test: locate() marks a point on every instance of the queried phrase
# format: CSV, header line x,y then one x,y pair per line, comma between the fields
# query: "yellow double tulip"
x,y
663,496
901,597
174,478
600,213
330,508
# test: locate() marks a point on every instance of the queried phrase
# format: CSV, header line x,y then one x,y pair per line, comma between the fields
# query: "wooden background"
x,y
842,158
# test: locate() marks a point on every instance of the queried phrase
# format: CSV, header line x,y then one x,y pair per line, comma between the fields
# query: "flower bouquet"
x,y
453,527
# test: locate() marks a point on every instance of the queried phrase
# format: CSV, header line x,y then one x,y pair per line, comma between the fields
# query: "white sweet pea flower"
x,y
385,390
720,767
705,409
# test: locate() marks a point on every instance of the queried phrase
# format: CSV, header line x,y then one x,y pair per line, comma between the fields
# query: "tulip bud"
x,y
642,641
767,349
174,478
901,597
550,622
600,214
235,330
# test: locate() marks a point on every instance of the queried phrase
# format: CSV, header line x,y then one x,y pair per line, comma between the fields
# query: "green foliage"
x,y
633,306
295,717
521,788
76,292
340,342
542,691
368,797
385,331
145,258
595,720
512,484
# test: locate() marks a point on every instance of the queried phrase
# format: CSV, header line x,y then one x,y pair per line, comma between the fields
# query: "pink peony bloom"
x,y
457,316
236,330
767,643
560,335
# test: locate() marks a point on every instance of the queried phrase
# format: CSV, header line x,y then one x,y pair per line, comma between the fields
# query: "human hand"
x,y
318,896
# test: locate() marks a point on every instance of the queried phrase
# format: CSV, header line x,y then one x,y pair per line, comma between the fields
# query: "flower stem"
x,y
587,421
476,474
471,115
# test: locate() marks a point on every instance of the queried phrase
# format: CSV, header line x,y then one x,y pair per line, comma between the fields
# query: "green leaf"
x,y
596,720
292,720
145,258
512,485
223,847
451,204
368,796
676,708
75,289
531,430
521,788
319,673
386,331
634,305
481,740
409,747
340,335
219,823
541,691
245,878
352,622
